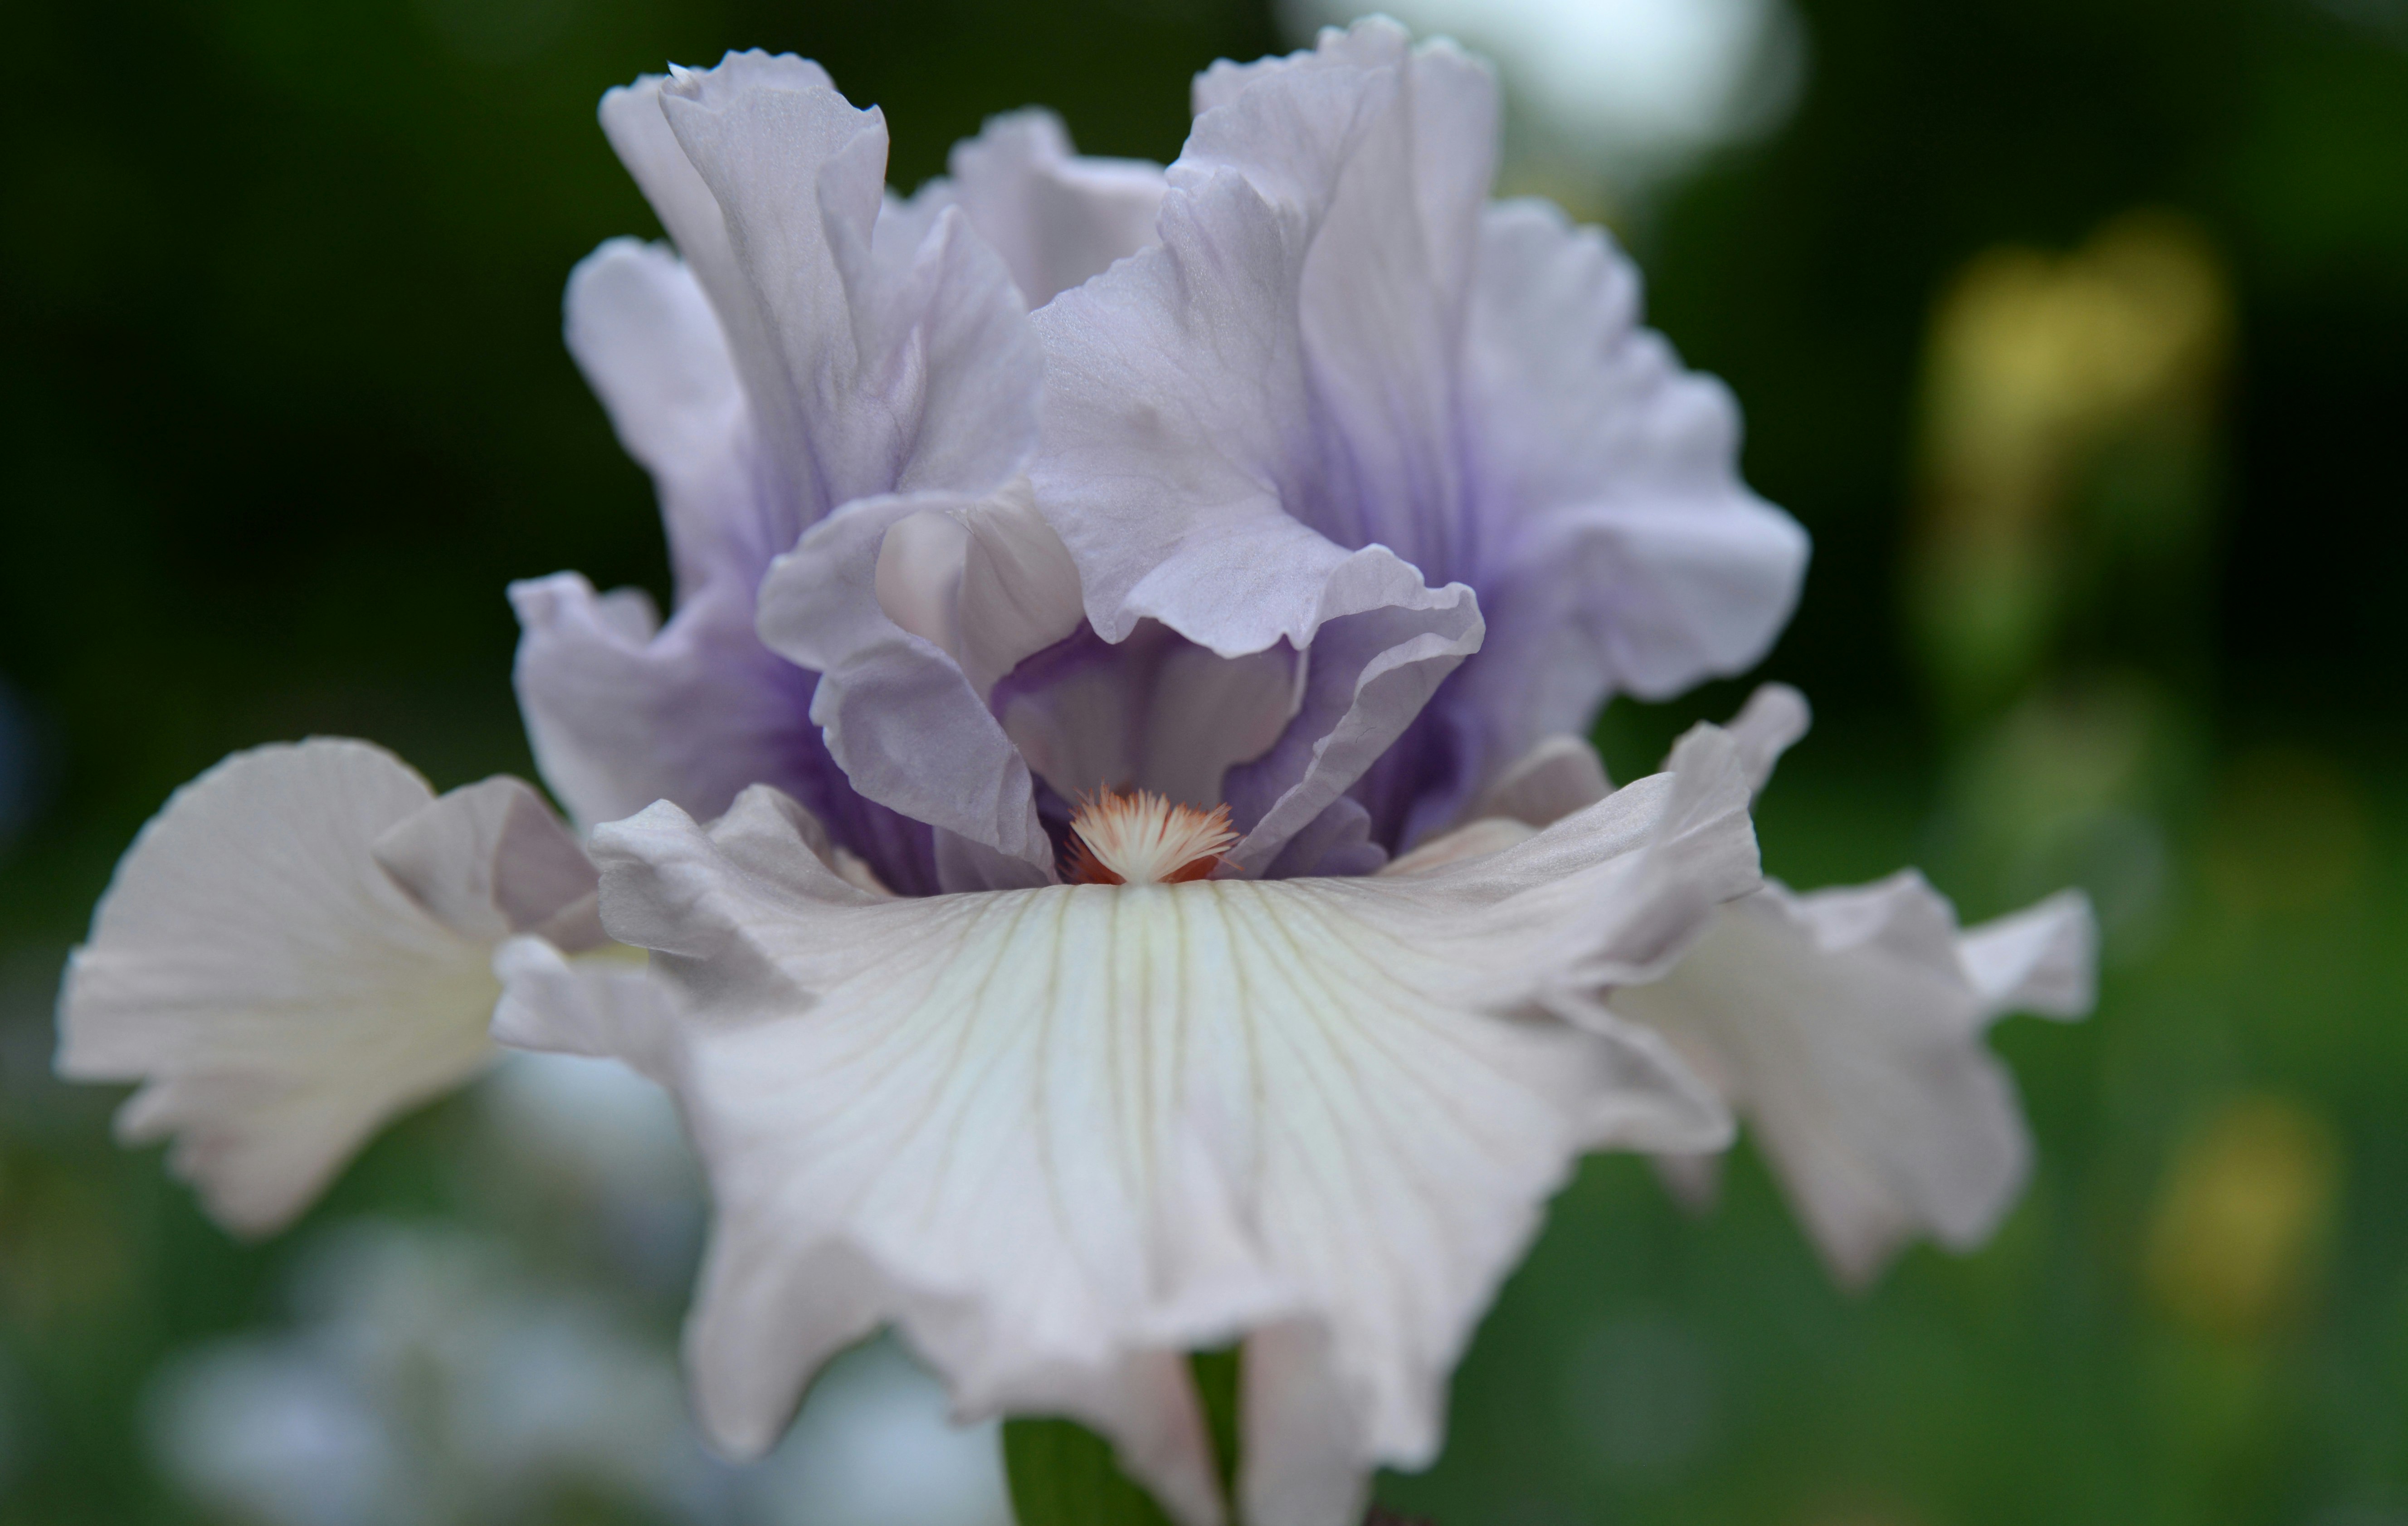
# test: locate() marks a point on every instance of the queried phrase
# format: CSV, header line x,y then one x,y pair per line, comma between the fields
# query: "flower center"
x,y
1142,839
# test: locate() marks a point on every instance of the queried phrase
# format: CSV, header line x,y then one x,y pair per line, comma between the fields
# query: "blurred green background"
x,y
2077,333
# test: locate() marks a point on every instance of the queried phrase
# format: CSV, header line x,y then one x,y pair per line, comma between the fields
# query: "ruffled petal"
x,y
1337,841
1768,724
641,135
819,123
1062,1135
873,366
913,605
1056,217
1846,1027
623,712
1559,775
275,990
1192,471
1622,552
1377,156
490,861
1378,648
1701,800
861,346
649,344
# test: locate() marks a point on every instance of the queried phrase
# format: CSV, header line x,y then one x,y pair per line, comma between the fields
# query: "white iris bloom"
x,y
1113,865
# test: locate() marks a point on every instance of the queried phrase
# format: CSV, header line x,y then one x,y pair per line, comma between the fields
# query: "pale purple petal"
x,y
1337,841
1175,450
877,367
844,361
1154,711
650,346
1338,335
1381,649
622,714
1375,158
1056,217
862,347
892,598
1622,552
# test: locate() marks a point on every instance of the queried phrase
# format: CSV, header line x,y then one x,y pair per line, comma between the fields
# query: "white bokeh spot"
x,y
1641,86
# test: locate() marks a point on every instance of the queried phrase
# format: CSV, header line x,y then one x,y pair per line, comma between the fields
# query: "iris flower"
x,y
1102,849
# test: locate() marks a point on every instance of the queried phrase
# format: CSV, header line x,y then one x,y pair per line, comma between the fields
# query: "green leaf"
x,y
1062,1474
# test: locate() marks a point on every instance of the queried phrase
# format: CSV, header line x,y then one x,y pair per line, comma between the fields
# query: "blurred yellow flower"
x,y
2037,364
2240,1229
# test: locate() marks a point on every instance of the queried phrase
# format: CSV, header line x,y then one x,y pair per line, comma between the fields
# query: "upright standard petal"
x,y
1338,346
278,988
1623,553
1250,430
871,368
621,710
1063,1135
1617,549
827,345
1055,216
1846,1028
641,330
1180,474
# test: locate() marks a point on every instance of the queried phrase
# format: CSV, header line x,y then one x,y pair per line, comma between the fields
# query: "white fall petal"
x,y
300,946
1064,1135
1846,1027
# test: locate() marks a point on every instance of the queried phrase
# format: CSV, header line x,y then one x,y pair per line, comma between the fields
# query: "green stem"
x,y
1062,1474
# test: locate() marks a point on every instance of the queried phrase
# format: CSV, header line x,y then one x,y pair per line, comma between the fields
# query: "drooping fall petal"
x,y
278,989
1062,1135
1847,1026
